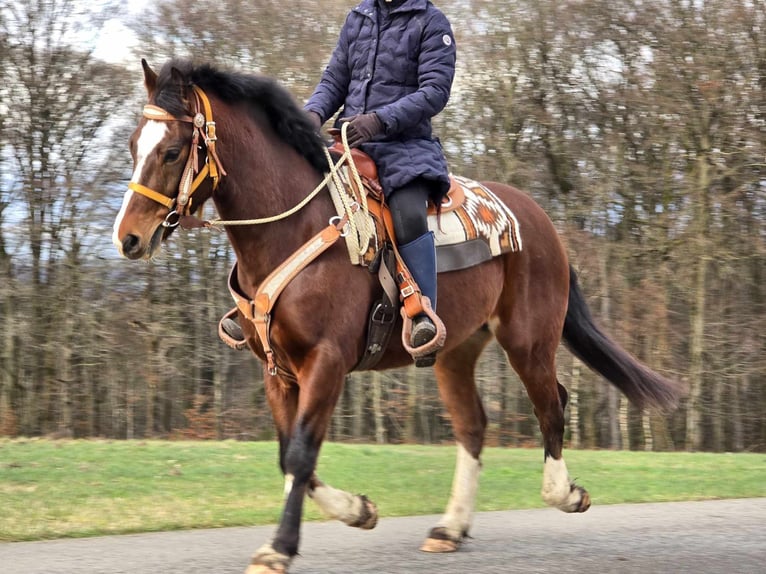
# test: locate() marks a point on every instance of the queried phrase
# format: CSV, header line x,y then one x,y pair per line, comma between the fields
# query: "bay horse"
x,y
266,161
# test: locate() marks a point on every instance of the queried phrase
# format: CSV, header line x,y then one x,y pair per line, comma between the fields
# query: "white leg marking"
x,y
151,135
556,487
338,504
289,479
457,519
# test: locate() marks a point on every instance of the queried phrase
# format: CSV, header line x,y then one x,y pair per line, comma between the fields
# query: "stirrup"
x,y
230,332
424,354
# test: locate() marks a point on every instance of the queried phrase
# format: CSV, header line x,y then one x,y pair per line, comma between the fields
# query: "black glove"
x,y
362,128
315,120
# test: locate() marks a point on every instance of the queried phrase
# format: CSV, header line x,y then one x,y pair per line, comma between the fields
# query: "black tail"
x,y
640,384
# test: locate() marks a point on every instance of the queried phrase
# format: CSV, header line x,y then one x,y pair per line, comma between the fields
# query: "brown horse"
x,y
273,158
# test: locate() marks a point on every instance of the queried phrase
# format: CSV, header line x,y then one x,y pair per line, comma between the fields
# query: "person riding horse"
x,y
391,72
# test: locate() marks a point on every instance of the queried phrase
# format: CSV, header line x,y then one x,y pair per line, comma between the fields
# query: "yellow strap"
x,y
152,112
168,202
200,178
212,167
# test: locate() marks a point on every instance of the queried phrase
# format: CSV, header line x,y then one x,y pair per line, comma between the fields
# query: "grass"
x,y
53,489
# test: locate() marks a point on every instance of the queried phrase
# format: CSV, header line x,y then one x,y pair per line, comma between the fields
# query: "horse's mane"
x,y
287,119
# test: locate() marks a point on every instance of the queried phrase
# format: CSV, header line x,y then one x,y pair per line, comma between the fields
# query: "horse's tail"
x,y
640,384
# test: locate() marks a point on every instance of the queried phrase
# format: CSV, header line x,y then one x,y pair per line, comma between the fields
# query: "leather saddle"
x,y
368,171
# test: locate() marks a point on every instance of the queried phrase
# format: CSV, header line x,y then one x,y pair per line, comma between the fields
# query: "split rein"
x,y
180,206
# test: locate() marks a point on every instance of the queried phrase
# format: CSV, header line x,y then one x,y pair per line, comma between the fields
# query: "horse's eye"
x,y
171,155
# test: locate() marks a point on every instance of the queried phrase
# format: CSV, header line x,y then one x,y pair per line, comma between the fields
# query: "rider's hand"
x,y
362,128
315,120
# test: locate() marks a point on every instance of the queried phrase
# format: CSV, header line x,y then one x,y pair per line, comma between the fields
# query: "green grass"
x,y
51,489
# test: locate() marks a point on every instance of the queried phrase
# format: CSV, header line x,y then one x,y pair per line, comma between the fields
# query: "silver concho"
x,y
199,120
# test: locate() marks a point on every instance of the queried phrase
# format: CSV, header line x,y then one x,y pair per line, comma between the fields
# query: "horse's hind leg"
x,y
535,364
457,387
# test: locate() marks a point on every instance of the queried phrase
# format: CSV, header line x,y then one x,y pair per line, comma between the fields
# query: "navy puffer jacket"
x,y
399,63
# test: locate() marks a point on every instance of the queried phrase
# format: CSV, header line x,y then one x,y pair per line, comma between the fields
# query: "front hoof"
x,y
440,541
368,515
268,561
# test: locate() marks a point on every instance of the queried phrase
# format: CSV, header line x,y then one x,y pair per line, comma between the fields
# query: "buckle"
x,y
407,291
379,314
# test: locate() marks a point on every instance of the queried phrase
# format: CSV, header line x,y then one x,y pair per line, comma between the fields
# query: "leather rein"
x,y
204,128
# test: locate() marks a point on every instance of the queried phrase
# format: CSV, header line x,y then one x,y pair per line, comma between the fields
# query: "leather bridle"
x,y
203,127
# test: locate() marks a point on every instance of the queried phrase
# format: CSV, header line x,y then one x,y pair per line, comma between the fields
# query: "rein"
x,y
204,127
332,175
180,207
349,207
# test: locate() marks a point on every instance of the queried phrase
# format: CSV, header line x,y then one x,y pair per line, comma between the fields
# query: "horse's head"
x,y
175,123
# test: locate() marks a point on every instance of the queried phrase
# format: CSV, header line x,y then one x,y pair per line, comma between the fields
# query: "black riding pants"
x,y
409,205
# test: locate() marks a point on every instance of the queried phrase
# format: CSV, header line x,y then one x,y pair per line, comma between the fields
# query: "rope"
x,y
332,175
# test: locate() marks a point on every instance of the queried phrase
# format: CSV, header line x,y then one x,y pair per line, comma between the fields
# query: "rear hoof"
x,y
268,561
584,498
440,541
577,501
263,569
368,516
439,546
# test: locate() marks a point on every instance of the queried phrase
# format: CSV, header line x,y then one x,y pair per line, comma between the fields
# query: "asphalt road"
x,y
722,537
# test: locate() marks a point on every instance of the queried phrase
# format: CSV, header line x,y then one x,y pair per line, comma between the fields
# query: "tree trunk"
x,y
612,394
697,343
574,405
377,408
357,414
410,421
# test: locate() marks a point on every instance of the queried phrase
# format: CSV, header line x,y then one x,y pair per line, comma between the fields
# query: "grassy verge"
x,y
51,489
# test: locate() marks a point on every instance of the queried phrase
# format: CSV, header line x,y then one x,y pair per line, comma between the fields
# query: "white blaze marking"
x,y
151,135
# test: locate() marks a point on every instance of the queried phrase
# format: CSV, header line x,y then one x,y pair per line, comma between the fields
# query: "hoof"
x,y
441,546
268,561
263,569
584,498
368,516
440,541
577,501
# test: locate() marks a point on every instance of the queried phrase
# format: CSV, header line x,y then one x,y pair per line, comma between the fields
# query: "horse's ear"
x,y
180,81
150,78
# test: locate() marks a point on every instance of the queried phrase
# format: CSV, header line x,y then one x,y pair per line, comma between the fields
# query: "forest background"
x,y
639,126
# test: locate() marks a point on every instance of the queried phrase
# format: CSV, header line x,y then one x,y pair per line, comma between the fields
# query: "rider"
x,y
392,71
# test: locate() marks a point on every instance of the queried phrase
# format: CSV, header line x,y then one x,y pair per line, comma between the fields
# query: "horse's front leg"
x,y
319,385
353,509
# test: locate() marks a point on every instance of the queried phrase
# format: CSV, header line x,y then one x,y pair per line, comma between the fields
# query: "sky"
x,y
115,41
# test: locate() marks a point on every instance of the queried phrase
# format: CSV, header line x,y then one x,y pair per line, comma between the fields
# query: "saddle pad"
x,y
481,228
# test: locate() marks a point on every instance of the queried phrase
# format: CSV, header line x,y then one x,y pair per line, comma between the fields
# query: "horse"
x,y
259,156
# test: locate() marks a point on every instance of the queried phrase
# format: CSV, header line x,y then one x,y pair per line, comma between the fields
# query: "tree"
x,y
62,99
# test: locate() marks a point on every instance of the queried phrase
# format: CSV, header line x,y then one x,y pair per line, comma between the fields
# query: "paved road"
x,y
721,537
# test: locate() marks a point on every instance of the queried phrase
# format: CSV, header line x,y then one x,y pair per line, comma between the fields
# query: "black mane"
x,y
287,119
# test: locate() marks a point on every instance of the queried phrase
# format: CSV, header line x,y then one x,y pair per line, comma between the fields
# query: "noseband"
x,y
203,126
